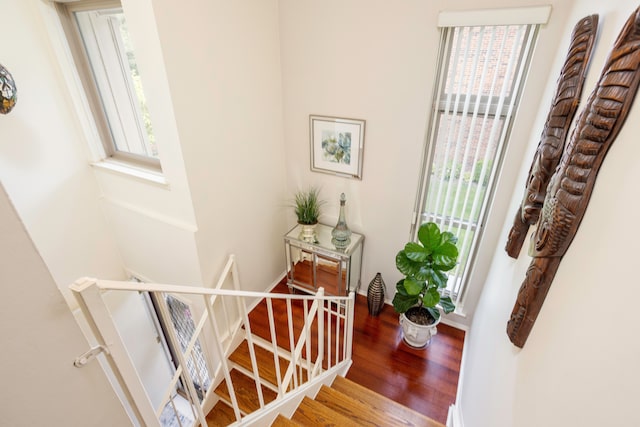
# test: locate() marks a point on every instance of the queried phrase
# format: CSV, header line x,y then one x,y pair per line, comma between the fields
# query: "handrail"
x,y
113,285
322,345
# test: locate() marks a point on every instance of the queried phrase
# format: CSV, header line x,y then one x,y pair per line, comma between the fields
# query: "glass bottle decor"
x,y
341,235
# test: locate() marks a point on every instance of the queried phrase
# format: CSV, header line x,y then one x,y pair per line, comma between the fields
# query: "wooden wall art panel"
x,y
563,108
571,185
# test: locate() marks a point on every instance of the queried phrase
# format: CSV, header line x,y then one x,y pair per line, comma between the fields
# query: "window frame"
x,y
106,147
439,110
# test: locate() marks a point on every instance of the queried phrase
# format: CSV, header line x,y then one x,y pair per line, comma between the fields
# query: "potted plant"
x,y
307,204
424,265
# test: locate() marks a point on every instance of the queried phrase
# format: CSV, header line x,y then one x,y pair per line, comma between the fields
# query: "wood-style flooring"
x,y
425,380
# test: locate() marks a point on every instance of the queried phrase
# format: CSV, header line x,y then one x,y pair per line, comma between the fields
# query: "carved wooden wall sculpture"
x,y
563,108
571,185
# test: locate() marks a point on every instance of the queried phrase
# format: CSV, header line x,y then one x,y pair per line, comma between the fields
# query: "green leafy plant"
x,y
307,205
424,264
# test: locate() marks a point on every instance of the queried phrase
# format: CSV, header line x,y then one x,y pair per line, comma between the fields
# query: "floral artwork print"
x,y
336,147
331,149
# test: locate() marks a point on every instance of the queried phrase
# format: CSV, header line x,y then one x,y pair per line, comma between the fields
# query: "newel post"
x,y
87,293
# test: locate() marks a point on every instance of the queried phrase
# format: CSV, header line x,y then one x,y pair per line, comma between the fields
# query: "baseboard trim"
x,y
453,323
454,417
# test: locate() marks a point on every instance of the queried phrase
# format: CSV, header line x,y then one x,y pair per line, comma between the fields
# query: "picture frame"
x,y
337,145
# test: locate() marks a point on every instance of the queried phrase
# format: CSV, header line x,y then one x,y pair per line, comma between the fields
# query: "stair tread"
x,y
312,413
264,358
266,364
282,421
246,392
382,404
363,413
221,415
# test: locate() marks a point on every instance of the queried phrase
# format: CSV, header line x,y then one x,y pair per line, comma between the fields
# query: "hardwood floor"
x,y
425,380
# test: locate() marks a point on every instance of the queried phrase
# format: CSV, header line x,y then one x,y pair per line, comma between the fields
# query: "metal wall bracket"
x,y
89,355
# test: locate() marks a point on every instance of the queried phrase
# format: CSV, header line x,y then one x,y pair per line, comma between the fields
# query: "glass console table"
x,y
320,264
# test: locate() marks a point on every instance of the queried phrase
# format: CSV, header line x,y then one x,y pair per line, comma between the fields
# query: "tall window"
x,y
104,55
481,74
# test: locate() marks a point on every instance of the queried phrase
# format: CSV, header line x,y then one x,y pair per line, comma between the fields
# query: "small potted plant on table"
x,y
424,265
307,206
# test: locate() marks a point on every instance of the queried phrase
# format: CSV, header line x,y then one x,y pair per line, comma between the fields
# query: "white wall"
x,y
107,225
376,60
223,64
370,60
154,225
81,225
90,222
40,340
579,365
43,158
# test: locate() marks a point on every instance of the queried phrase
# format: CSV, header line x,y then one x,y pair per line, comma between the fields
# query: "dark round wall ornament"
x,y
8,91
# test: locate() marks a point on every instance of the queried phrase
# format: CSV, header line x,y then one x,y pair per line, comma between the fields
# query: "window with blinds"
x,y
481,74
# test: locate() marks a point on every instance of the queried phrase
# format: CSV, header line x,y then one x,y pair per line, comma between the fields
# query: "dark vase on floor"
x,y
375,295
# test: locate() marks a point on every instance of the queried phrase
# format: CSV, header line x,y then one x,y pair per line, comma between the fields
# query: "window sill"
x,y
141,174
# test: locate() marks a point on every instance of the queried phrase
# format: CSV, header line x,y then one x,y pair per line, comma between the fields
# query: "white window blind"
x,y
480,78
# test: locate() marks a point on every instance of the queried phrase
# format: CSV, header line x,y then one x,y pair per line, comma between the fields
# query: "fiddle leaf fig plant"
x,y
424,264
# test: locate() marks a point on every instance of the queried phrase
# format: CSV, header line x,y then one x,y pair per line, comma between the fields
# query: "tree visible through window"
x,y
480,79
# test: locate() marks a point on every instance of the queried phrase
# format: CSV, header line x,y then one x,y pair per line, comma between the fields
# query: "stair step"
x,y
221,415
246,392
282,421
362,413
312,413
264,358
381,404
266,364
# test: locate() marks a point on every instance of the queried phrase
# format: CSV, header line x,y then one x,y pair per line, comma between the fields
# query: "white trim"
x,y
447,320
454,417
502,16
68,71
141,174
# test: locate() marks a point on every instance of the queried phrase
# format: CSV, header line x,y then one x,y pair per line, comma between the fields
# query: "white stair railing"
x,y
318,345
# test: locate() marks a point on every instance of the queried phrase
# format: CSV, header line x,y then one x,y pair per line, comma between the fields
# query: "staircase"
x,y
243,358
344,403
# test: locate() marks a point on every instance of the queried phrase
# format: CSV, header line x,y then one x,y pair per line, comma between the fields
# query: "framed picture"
x,y
337,145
